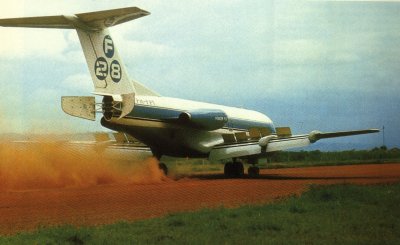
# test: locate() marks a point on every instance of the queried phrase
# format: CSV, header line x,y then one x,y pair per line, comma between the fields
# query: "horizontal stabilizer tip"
x,y
90,21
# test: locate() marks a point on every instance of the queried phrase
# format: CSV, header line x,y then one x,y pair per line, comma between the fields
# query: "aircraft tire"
x,y
234,170
238,169
228,169
253,171
163,168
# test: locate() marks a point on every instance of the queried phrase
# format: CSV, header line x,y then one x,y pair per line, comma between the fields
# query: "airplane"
x,y
168,126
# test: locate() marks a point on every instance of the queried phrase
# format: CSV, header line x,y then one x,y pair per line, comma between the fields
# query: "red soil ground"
x,y
22,210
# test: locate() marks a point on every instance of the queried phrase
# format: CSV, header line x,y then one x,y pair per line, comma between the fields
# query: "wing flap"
x,y
253,148
236,150
288,143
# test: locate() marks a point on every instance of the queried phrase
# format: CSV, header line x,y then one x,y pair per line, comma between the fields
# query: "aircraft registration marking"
x,y
145,102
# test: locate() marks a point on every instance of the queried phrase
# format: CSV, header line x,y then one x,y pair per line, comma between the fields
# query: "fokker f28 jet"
x,y
169,126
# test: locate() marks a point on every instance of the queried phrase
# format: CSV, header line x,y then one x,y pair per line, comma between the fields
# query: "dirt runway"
x,y
101,204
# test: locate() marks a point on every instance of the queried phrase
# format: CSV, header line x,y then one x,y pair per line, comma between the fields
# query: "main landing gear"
x,y
253,171
235,169
162,166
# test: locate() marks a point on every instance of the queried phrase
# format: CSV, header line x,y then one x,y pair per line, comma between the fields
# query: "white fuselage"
x,y
152,121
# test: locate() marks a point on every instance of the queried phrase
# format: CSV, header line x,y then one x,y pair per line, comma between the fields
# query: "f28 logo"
x,y
108,46
101,67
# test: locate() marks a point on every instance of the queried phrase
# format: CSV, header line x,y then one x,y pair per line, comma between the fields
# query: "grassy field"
x,y
293,159
184,167
301,164
341,214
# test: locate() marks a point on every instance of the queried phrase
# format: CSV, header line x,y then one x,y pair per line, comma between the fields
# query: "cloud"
x,y
376,1
311,51
299,51
142,49
81,82
20,44
43,114
147,49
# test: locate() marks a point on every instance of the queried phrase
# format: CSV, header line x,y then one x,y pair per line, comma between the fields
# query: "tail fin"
x,y
105,65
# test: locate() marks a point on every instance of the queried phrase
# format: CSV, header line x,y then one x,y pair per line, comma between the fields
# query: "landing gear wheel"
x,y
238,169
163,168
228,169
253,171
234,169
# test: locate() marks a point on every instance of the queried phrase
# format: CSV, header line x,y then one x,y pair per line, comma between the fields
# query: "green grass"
x,y
341,214
319,158
301,164
195,166
292,159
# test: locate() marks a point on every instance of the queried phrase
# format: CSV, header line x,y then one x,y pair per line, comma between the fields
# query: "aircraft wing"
x,y
273,143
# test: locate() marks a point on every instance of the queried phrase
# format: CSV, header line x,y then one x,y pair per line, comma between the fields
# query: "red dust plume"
x,y
43,165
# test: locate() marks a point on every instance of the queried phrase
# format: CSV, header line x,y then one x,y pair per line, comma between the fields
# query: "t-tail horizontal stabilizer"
x,y
108,72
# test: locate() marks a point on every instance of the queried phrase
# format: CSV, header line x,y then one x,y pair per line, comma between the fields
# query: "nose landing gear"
x,y
163,168
158,154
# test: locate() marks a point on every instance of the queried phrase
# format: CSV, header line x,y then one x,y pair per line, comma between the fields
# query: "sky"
x,y
325,65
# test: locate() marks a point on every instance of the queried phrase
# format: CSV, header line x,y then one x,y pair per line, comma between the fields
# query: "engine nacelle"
x,y
211,119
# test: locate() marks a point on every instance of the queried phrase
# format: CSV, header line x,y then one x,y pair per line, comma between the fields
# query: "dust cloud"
x,y
44,165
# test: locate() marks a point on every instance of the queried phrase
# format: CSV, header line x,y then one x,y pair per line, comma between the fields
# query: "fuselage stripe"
x,y
168,115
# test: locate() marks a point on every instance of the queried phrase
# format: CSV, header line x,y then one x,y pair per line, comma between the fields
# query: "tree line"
x,y
378,154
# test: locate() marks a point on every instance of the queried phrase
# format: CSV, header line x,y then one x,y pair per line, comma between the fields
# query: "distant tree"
x,y
375,149
394,150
